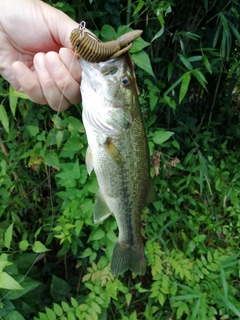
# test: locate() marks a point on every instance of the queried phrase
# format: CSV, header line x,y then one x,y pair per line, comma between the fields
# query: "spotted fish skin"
x,y
118,153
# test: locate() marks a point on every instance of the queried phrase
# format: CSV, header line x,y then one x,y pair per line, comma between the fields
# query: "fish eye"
x,y
126,81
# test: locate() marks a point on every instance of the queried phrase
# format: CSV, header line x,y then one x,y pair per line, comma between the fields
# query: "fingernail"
x,y
68,56
19,69
39,61
53,61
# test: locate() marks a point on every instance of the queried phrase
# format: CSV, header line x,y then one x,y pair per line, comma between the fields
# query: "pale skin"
x,y
35,52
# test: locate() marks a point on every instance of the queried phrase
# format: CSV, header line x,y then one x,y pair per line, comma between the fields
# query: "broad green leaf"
x,y
72,145
38,247
108,32
176,144
76,170
86,253
159,137
33,130
184,86
57,309
27,285
51,314
95,307
7,282
13,315
4,118
4,264
23,245
142,61
8,236
51,159
138,45
65,306
59,289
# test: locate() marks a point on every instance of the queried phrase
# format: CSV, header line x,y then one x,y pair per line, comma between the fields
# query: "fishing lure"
x,y
91,49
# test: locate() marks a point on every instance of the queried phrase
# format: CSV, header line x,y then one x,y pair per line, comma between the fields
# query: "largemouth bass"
x,y
118,152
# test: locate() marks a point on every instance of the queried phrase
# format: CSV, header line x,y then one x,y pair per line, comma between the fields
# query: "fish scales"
x,y
118,152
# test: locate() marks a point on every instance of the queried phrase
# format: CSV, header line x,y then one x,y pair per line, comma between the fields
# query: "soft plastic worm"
x,y
90,48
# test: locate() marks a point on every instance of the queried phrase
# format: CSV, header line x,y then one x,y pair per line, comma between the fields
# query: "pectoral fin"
x,y
89,160
113,151
101,210
151,195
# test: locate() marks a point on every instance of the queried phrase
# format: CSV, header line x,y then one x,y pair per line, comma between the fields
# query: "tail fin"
x,y
128,257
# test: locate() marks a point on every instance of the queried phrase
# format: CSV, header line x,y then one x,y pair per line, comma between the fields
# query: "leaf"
x,y
107,32
60,289
7,282
59,138
75,173
13,315
185,61
142,61
184,86
13,99
51,159
33,130
23,245
86,253
141,3
159,137
38,247
158,34
200,78
27,284
57,309
51,314
138,45
4,264
8,236
207,64
4,118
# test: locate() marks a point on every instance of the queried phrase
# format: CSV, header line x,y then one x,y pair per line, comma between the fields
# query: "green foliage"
x,y
54,262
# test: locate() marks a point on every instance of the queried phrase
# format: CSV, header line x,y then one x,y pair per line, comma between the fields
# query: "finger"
x,y
26,81
52,93
71,61
64,74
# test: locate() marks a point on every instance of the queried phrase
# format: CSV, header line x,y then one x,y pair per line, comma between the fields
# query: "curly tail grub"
x,y
90,48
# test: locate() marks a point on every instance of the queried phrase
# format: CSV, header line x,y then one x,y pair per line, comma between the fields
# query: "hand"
x,y
35,55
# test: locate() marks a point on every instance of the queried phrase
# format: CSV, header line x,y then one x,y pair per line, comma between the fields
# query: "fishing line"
x,y
48,178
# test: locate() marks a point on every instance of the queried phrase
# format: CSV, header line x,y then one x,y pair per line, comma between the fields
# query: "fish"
x,y
118,153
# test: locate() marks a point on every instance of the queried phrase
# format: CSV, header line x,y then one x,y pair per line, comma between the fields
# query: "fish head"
x,y
109,95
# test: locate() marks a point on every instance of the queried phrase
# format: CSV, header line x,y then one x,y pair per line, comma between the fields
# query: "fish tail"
x,y
128,257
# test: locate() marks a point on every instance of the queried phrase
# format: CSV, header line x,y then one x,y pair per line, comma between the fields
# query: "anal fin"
x,y
101,210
